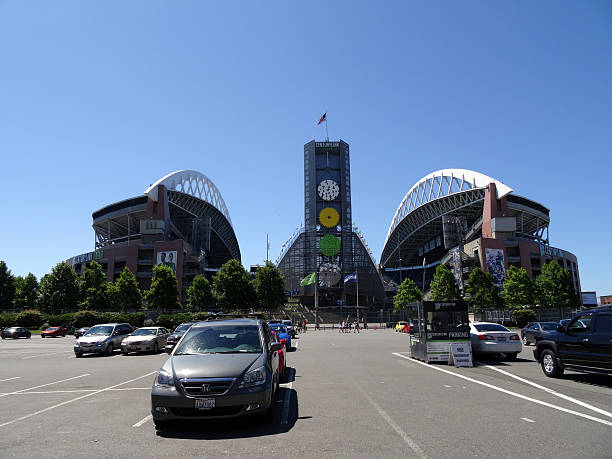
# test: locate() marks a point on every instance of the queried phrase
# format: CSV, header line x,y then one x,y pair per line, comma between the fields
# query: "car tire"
x,y
78,354
124,353
512,355
161,425
525,341
110,349
42,336
550,365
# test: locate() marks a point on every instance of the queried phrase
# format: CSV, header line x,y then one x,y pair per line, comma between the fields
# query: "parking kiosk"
x,y
438,325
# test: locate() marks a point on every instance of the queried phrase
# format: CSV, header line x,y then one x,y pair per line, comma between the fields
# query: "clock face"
x,y
329,217
328,190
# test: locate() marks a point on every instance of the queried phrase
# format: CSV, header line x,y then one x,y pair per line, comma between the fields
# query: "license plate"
x,y
205,403
501,338
132,348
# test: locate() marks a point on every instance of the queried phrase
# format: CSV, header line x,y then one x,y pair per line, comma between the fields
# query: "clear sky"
x,y
100,99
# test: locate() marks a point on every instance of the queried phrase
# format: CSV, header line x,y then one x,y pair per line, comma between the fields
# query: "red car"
x,y
53,331
282,355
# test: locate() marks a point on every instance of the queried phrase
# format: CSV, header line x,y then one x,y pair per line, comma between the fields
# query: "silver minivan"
x,y
102,339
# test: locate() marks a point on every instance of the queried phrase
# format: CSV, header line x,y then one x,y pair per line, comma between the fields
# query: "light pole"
x,y
423,276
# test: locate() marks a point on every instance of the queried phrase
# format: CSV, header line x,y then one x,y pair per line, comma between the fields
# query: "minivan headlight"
x,y
163,378
254,377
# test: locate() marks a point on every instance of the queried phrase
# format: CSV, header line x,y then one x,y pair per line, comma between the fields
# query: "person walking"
x,y
356,326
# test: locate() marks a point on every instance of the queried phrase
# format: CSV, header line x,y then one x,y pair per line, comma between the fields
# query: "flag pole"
x,y
326,133
357,279
316,303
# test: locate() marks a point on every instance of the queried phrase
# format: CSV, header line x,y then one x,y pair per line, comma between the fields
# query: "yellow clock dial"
x,y
329,217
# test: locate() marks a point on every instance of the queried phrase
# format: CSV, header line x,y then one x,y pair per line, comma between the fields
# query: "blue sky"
x,y
99,99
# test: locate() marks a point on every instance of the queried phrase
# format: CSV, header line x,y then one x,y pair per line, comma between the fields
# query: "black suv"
x,y
584,345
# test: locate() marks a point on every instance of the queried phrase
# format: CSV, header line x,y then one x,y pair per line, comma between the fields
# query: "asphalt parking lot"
x,y
349,395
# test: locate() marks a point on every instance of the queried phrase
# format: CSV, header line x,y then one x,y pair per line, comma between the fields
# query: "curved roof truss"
x,y
195,184
439,184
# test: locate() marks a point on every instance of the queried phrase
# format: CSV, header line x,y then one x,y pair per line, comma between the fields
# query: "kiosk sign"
x,y
460,354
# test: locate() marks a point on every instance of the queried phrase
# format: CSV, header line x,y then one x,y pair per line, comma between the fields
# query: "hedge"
x,y
173,320
523,317
8,319
30,318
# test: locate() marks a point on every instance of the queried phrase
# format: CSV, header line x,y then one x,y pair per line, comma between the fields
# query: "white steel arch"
x,y
195,184
439,184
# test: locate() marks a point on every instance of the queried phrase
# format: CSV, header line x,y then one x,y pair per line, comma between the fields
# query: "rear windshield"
x,y
182,328
221,339
144,332
490,327
278,328
549,326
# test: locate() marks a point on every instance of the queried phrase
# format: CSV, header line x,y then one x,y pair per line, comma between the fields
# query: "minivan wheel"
x,y
78,354
110,349
550,366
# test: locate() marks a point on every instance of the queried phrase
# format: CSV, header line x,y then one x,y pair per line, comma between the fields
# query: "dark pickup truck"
x,y
584,345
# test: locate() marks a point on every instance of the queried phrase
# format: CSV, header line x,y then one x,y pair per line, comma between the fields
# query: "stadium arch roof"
x,y
195,184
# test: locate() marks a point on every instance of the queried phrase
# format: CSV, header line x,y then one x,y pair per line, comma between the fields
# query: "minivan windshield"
x,y
100,330
182,328
221,339
278,328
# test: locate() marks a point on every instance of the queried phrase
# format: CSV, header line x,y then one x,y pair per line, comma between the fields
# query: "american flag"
x,y
323,118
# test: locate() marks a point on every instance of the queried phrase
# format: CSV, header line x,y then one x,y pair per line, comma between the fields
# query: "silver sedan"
x,y
490,338
145,339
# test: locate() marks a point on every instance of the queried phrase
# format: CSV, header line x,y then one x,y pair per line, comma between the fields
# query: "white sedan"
x,y
490,338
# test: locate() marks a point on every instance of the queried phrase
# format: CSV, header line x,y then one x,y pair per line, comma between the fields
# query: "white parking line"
x,y
27,416
142,421
44,385
288,386
10,379
43,355
73,391
527,420
409,441
552,392
505,391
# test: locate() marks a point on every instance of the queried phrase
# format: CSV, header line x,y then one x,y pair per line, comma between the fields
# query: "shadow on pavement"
x,y
241,427
590,379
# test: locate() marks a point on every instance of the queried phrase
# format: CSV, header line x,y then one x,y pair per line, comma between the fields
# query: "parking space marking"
x,y
552,392
288,387
409,441
527,420
73,391
27,416
10,379
143,421
505,391
43,355
44,385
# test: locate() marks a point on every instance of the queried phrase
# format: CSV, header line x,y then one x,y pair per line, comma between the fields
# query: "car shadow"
x,y
589,378
498,360
247,427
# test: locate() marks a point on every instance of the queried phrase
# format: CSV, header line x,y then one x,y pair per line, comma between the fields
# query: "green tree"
x,y
59,290
443,286
269,284
233,289
554,287
199,294
482,292
124,294
7,287
26,295
93,287
163,293
518,288
407,292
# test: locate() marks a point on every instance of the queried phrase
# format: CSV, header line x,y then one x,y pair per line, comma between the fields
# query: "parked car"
x,y
399,327
80,332
534,330
177,334
15,332
283,334
491,338
290,327
144,339
585,345
102,339
219,369
53,332
282,355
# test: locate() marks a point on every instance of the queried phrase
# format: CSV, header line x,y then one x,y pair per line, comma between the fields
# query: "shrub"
x,y
30,318
85,318
136,319
148,323
59,319
523,316
173,320
200,315
8,319
44,326
110,317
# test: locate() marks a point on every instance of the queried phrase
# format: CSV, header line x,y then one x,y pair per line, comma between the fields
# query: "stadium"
x,y
465,219
180,221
